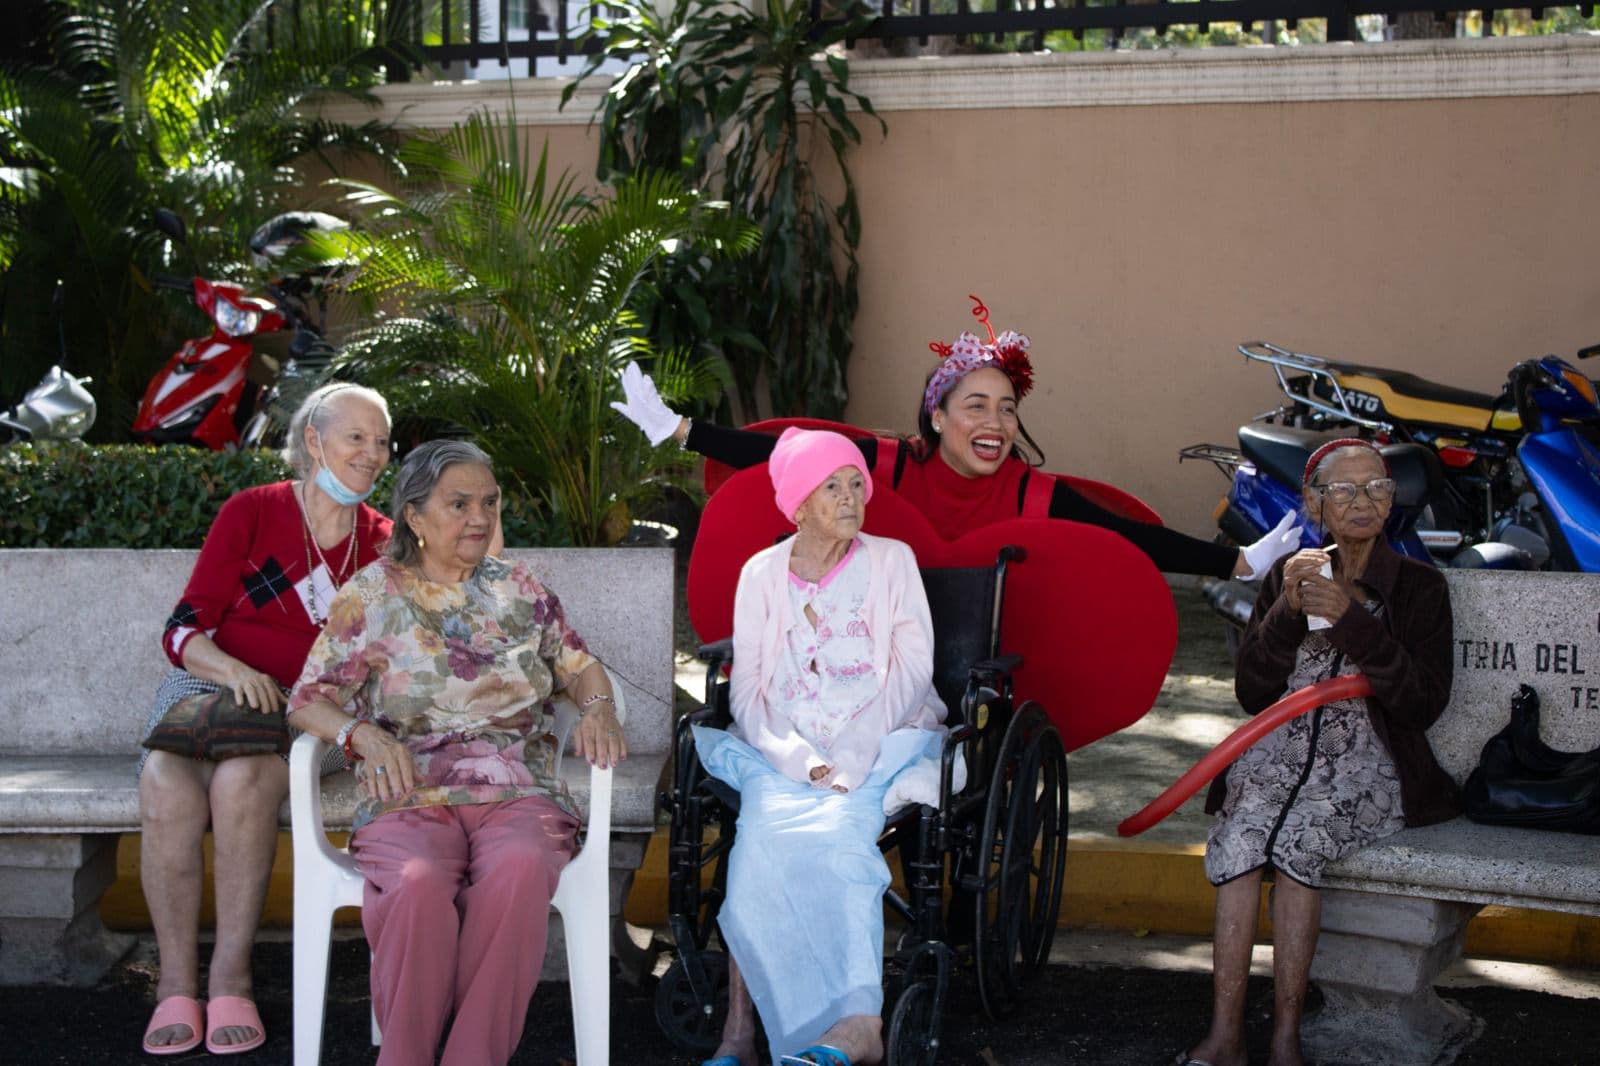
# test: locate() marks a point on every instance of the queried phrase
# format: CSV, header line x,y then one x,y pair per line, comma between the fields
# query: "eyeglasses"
x,y
1377,490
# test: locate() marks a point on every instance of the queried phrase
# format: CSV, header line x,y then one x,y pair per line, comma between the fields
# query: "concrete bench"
x,y
1394,913
80,659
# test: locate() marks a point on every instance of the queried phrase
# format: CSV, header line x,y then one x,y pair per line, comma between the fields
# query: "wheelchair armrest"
x,y
1002,665
710,717
953,740
718,651
714,717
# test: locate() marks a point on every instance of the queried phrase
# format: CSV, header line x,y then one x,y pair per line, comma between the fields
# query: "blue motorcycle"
x,y
1504,482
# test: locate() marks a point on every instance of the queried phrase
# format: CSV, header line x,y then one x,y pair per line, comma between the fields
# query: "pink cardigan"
x,y
902,634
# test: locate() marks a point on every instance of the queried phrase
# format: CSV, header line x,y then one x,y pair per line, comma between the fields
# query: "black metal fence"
x,y
1001,19
542,37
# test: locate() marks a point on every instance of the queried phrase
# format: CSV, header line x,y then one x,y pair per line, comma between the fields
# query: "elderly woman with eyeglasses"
x,y
1344,775
433,675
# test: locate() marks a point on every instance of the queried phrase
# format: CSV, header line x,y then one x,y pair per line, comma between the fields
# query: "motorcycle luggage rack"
x,y
1224,458
1314,367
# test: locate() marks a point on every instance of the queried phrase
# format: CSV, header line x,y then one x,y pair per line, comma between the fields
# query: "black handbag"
x,y
1520,780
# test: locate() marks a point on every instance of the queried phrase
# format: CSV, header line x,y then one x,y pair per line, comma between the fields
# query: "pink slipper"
x,y
175,1010
225,1011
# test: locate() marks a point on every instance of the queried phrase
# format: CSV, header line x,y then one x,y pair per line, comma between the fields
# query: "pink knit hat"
x,y
804,458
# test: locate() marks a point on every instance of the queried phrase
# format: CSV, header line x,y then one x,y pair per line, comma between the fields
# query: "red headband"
x,y
1333,446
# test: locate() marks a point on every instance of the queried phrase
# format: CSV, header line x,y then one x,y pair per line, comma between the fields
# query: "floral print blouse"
x,y
460,673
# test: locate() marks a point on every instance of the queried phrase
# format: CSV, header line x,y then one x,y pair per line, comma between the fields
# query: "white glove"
x,y
1260,556
643,406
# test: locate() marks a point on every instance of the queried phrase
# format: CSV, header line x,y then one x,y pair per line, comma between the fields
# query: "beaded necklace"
x,y
318,615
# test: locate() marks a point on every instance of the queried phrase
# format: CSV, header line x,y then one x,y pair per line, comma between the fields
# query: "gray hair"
x,y
414,484
318,411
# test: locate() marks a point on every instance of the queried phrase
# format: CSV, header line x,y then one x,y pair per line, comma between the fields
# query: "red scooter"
x,y
212,391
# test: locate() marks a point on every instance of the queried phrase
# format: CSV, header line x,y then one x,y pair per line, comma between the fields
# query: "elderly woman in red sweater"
x,y
257,599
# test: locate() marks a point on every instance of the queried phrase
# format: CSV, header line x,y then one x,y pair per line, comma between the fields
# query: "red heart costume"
x,y
1088,612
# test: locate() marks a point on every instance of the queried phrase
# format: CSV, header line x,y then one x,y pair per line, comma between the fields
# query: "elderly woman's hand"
x,y
1302,565
255,688
599,736
386,770
1324,598
819,776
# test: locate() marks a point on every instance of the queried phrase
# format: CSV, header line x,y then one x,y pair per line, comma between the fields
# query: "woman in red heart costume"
x,y
973,463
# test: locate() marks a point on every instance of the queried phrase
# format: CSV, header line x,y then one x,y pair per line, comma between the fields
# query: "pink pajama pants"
x,y
456,909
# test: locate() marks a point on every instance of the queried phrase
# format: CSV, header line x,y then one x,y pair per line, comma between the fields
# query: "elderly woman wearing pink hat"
x,y
833,707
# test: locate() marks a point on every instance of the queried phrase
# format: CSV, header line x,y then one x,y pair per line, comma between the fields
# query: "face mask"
x,y
337,491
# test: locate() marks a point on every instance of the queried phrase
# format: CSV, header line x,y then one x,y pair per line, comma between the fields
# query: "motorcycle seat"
x,y
1418,474
1282,452
1399,396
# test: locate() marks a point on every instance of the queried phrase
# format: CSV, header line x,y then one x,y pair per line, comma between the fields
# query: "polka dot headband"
x,y
1007,353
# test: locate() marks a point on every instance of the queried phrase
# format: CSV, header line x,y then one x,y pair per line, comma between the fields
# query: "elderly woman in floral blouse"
x,y
433,675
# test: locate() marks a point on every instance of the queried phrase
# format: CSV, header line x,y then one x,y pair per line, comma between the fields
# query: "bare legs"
x,y
173,814
860,1036
178,799
739,1030
1296,920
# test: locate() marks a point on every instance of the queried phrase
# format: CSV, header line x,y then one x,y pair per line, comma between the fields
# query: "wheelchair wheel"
x,y
1033,868
694,1023
1022,859
914,1027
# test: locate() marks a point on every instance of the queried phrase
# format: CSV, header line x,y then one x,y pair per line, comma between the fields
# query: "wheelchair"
x,y
983,871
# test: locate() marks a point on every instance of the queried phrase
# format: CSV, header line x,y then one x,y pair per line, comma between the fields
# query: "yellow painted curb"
x,y
1111,884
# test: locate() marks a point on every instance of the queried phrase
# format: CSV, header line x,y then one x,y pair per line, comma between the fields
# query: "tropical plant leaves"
x,y
512,308
160,103
742,101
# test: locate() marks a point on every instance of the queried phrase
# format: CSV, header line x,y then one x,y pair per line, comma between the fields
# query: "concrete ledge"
x,y
1466,862
100,794
1392,70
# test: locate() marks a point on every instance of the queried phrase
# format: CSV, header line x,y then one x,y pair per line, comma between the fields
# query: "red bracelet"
x,y
349,735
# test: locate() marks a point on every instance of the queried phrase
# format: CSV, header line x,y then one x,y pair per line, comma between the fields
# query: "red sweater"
x,y
247,592
957,505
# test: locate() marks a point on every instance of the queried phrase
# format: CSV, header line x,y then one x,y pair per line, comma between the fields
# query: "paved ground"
x,y
1112,1000
1108,999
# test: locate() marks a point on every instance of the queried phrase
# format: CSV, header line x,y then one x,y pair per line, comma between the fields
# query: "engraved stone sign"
x,y
1513,629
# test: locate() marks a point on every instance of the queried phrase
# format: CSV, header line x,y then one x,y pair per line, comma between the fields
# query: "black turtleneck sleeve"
x,y
740,448
1171,551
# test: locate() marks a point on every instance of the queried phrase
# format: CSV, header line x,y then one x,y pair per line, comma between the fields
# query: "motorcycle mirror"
x,y
1593,349
169,223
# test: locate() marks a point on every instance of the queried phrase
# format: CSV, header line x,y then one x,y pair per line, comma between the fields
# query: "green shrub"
x,y
76,495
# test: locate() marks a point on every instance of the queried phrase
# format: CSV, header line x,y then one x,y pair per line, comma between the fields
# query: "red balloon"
x,y
1344,687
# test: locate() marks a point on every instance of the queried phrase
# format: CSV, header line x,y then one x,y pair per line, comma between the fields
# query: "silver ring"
x,y
380,770
611,732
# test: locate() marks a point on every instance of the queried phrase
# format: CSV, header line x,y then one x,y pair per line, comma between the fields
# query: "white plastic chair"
x,y
326,878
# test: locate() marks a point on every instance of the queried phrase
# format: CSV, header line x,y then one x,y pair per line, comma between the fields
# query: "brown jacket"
x,y
1405,654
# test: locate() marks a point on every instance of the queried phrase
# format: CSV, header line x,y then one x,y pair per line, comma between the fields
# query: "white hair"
x,y
318,411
